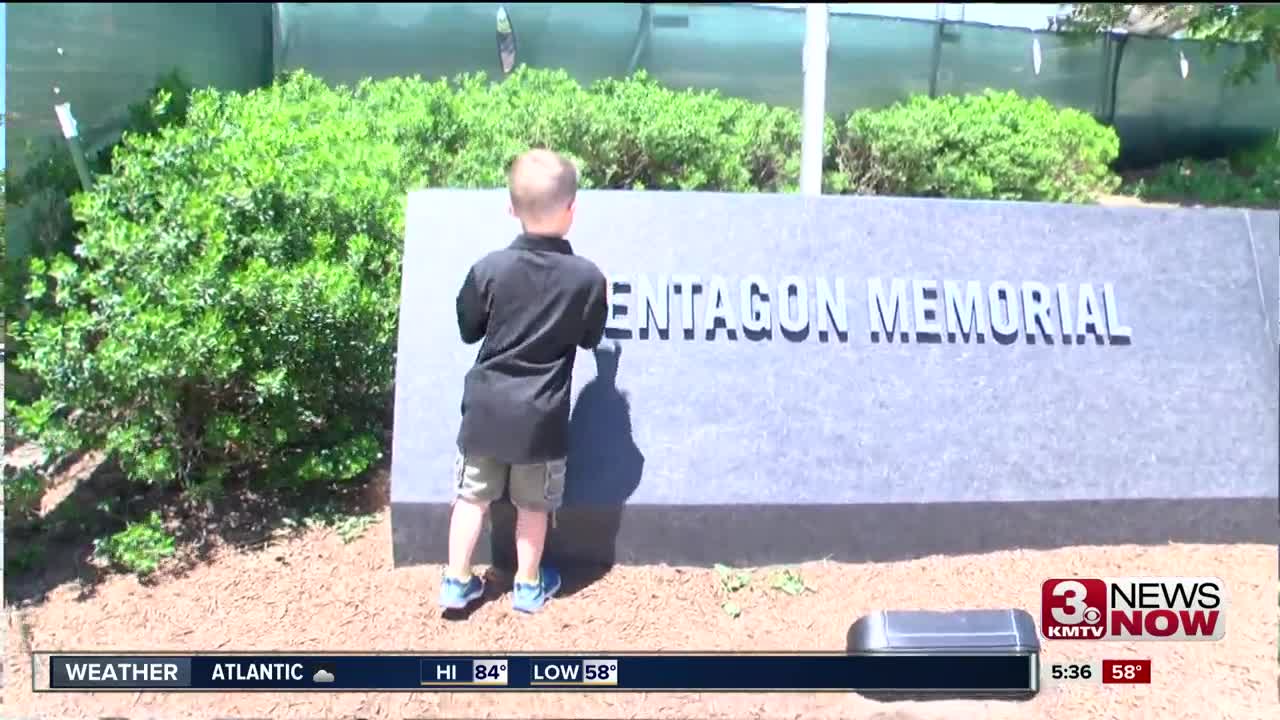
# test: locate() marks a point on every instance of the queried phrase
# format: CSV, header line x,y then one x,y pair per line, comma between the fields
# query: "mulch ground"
x,y
313,593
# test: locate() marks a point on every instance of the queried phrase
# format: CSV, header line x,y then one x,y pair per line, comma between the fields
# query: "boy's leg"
x,y
477,482
537,491
465,526
531,539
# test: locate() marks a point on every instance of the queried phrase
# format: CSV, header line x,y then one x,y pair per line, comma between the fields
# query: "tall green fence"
x,y
754,52
103,57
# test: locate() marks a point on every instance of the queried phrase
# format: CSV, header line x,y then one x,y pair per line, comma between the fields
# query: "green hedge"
x,y
990,146
1249,178
231,304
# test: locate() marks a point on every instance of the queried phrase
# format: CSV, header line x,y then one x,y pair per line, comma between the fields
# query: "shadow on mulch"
x,y
59,549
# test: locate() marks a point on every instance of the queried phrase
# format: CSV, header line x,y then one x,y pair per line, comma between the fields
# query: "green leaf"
x,y
732,580
789,582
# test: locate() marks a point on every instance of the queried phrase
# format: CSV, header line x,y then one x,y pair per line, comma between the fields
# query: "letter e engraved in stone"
x,y
620,318
924,301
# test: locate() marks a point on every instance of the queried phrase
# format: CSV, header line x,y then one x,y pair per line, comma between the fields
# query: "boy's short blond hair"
x,y
541,183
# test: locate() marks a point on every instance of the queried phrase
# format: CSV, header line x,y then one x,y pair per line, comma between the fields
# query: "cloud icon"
x,y
322,676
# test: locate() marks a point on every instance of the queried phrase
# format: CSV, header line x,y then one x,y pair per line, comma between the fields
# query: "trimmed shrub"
x,y
497,121
637,134
992,146
233,304
624,134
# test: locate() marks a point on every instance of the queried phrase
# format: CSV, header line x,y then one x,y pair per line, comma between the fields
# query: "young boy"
x,y
533,304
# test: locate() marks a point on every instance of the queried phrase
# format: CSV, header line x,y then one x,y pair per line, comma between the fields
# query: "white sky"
x,y
1030,15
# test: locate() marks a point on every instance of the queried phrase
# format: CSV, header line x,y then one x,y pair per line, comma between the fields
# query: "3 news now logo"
x,y
1172,608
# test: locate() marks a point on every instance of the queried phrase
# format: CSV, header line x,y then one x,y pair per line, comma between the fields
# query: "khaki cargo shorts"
x,y
538,487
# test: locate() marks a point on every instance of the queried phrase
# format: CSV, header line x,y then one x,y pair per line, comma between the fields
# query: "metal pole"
x,y
815,97
643,34
935,58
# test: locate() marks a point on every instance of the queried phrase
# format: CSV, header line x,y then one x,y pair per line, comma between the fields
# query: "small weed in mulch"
x,y
348,526
731,581
139,548
790,582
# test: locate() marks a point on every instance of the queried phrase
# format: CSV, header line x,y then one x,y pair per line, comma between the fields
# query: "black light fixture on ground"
x,y
1003,639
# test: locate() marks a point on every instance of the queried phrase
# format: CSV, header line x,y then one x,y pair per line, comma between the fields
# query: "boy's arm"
x,y
596,315
473,311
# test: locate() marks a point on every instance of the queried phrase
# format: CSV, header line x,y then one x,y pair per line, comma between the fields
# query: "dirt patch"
x,y
314,593
1131,201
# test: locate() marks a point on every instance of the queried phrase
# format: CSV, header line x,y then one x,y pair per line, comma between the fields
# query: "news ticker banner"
x,y
984,674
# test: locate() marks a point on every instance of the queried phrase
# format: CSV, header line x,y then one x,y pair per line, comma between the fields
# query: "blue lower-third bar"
x,y
953,674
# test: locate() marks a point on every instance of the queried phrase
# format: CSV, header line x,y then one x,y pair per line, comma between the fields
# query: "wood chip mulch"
x,y
313,593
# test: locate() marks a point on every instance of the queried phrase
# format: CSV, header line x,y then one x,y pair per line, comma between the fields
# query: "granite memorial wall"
x,y
787,378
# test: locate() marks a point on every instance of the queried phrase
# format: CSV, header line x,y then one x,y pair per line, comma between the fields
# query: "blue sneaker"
x,y
530,598
456,594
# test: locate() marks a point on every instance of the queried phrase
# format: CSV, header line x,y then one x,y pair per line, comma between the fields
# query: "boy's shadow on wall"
x,y
603,472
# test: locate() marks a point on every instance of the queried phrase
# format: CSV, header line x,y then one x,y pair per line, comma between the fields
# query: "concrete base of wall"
x,y
752,535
